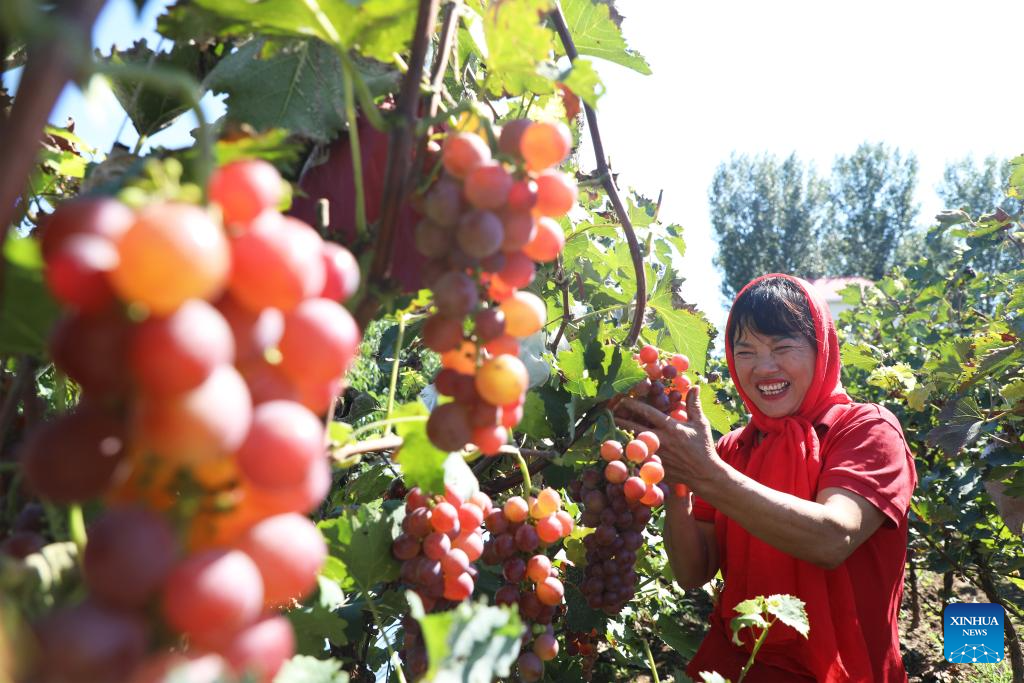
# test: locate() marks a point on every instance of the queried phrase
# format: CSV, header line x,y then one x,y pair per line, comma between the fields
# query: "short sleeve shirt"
x,y
863,451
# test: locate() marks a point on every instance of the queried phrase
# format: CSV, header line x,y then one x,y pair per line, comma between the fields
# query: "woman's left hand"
x,y
687,448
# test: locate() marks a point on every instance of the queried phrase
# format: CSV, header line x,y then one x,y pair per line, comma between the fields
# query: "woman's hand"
x,y
687,448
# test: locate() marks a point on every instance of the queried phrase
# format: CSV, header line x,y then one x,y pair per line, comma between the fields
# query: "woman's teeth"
x,y
773,389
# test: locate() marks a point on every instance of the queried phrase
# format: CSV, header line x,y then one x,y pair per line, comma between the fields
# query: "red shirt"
x,y
862,452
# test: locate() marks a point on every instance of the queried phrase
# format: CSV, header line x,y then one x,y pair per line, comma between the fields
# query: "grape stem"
x,y
397,174
753,653
443,53
562,281
353,141
76,528
395,364
525,471
377,424
384,443
609,186
650,661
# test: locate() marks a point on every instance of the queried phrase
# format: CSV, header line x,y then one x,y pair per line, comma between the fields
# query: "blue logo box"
x,y
973,632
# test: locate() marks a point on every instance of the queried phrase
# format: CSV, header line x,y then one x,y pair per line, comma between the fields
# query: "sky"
x,y
936,79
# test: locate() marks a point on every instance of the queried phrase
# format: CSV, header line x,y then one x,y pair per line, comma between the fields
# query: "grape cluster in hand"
x,y
616,497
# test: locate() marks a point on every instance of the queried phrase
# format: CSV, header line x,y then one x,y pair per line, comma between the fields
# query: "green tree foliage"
x,y
939,343
767,215
780,216
978,187
871,209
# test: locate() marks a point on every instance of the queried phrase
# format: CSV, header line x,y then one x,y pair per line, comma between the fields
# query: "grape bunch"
x,y
441,538
666,386
489,219
207,344
519,532
616,500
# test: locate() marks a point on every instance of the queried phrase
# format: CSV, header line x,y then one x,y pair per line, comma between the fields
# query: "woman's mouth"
x,y
771,391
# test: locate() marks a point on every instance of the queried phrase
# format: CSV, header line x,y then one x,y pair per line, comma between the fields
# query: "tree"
x,y
871,211
978,188
767,216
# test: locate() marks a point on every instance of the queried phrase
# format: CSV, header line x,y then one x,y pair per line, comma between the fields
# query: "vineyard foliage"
x,y
352,103
332,95
939,343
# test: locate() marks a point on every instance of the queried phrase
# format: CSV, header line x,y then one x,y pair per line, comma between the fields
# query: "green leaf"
x,y
273,146
370,485
721,419
1013,391
377,28
518,48
298,88
790,610
672,632
1015,185
684,332
304,669
27,311
897,377
584,81
960,422
421,462
595,34
151,110
858,356
473,643
360,545
535,423
573,366
319,620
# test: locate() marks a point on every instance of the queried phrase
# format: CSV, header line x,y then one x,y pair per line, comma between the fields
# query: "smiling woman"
x,y
809,499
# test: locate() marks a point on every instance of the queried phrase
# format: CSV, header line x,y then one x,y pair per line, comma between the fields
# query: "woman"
x,y
809,499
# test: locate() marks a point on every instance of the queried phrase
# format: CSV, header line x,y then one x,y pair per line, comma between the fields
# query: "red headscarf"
x,y
788,459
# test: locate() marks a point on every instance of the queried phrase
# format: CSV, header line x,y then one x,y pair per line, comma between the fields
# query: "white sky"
x,y
939,79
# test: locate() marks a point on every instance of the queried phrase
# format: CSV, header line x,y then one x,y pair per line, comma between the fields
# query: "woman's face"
x,y
775,372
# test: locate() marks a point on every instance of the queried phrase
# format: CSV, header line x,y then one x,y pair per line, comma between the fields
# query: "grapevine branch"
x,y
609,186
447,40
399,149
562,280
51,63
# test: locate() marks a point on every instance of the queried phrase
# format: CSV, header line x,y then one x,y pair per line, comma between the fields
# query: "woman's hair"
x,y
775,307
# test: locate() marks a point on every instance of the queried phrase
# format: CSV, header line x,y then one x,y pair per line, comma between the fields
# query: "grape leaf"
x,y
534,422
422,462
298,88
858,356
684,331
685,641
1015,185
960,424
376,28
595,34
721,419
151,110
574,368
305,669
790,610
518,47
360,545
584,81
473,643
27,311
